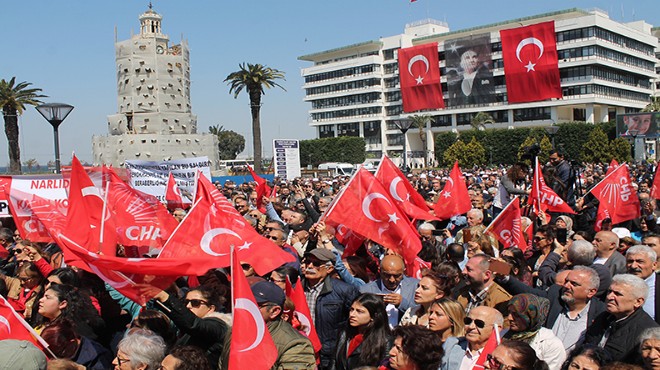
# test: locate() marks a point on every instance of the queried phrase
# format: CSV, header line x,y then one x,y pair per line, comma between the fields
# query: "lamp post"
x,y
55,113
552,131
634,134
403,125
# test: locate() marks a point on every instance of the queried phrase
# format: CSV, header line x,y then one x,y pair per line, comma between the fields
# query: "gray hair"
x,y
6,234
581,252
594,279
426,226
643,249
477,212
650,333
143,347
637,286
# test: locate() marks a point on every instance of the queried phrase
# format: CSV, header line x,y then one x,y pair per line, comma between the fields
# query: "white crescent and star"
x,y
415,59
393,192
529,41
366,203
94,191
5,322
250,307
175,189
304,320
208,236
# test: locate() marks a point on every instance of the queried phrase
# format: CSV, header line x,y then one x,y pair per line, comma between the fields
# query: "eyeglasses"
x,y
246,266
495,364
315,263
274,280
478,323
195,303
122,360
18,250
273,237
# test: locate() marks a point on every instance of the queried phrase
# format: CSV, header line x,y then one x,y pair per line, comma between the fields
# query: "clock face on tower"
x,y
159,49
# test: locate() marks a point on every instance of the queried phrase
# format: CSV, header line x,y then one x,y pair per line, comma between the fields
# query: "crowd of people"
x,y
571,298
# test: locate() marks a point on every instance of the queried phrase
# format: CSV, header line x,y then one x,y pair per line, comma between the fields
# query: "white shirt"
x,y
470,359
649,303
392,310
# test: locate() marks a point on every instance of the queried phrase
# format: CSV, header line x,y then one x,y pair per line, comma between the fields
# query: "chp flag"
x,y
543,198
618,200
419,77
531,64
507,226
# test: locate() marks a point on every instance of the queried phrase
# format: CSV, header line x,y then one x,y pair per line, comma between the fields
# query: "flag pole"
x,y
104,209
177,228
232,276
501,213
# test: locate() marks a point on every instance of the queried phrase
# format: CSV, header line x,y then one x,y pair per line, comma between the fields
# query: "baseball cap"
x,y
267,292
323,255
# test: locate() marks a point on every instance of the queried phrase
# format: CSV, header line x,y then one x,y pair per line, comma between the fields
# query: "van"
x,y
338,169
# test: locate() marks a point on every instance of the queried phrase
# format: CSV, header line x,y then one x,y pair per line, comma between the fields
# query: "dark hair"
x,y
597,354
524,355
429,252
359,267
547,230
441,282
586,235
209,295
450,269
518,262
376,332
455,252
422,346
61,338
288,271
79,306
190,358
157,322
67,276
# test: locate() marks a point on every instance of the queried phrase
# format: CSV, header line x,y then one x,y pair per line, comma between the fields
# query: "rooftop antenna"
x,y
115,33
150,6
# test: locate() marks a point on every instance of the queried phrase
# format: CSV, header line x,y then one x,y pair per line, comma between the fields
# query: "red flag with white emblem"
x,y
543,198
365,207
453,199
173,195
297,296
492,342
507,226
405,196
349,239
419,76
13,326
251,345
531,64
23,207
618,200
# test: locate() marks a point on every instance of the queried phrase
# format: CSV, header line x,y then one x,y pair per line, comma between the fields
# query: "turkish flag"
x,y
543,198
262,189
418,265
419,77
507,227
618,199
365,207
348,238
410,201
251,345
530,60
173,195
453,199
13,326
297,296
655,189
493,341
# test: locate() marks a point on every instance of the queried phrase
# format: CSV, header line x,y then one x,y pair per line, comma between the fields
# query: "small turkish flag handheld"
x,y
297,296
655,190
251,345
618,200
349,239
453,199
419,76
507,226
172,194
543,198
531,65
262,189
493,341
418,265
13,326
410,201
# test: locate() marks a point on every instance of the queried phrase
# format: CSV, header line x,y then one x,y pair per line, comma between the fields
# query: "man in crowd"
x,y
481,289
607,243
653,241
641,262
563,178
397,290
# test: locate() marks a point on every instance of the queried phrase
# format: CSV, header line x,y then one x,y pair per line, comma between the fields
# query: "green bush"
x,y
333,149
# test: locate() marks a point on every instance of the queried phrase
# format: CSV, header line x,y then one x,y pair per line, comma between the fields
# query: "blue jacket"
x,y
454,350
408,287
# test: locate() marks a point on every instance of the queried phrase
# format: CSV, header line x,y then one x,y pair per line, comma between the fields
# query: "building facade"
x,y
606,68
154,119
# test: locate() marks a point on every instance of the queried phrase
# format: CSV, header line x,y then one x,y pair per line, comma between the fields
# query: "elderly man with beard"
x,y
329,300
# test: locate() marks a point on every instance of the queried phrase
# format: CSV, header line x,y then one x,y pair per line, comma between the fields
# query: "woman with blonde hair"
x,y
446,318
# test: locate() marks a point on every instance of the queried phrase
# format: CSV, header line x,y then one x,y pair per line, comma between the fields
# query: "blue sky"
x,y
66,48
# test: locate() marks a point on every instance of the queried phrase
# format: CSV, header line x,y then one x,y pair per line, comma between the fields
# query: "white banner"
x,y
51,187
151,177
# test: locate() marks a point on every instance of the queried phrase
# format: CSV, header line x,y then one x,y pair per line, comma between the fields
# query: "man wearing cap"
x,y
294,350
329,300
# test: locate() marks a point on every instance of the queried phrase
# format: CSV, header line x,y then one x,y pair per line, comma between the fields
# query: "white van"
x,y
338,169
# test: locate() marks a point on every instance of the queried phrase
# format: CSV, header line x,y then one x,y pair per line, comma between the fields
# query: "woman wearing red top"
x,y
365,341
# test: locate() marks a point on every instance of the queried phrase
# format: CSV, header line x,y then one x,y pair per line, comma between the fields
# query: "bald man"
x,y
397,290
606,243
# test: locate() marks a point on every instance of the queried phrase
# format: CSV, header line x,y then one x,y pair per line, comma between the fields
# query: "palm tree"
x,y
420,121
480,120
253,78
31,163
13,99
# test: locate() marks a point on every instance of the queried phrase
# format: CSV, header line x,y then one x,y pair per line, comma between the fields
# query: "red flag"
x,y
453,199
23,207
173,195
655,189
618,200
543,198
349,239
507,227
297,296
378,218
419,76
13,326
493,341
262,189
531,65
411,202
418,265
251,345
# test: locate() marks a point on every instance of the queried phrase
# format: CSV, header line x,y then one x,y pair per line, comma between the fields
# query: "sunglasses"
x,y
195,303
537,239
18,250
495,364
272,237
315,263
478,323
246,266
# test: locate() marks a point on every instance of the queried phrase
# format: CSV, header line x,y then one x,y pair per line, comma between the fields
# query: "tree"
x,y
467,155
420,121
524,147
597,147
443,140
253,78
620,150
13,99
653,106
480,120
31,163
230,143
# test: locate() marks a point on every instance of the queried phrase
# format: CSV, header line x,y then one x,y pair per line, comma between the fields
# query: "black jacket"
x,y
623,341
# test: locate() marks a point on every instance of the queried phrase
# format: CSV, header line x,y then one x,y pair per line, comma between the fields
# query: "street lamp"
x,y
552,131
55,113
403,125
634,134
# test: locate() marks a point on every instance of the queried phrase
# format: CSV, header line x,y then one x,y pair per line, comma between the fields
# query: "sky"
x,y
66,48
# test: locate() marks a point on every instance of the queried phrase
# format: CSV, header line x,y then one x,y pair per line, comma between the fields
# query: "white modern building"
x,y
154,119
606,68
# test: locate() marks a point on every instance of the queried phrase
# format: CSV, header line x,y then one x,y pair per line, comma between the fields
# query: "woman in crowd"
x,y
565,222
65,343
198,319
513,354
157,322
365,341
650,348
431,287
527,314
24,288
446,318
586,357
519,268
185,358
415,348
139,350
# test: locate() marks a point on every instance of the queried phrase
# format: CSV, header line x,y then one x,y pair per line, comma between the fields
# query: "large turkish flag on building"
x,y
530,63
419,77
